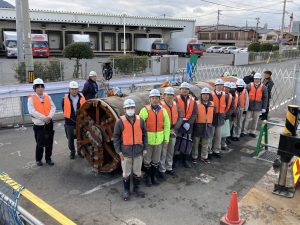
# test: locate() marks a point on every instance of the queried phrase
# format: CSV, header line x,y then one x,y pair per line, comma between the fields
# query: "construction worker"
x,y
258,101
188,108
42,109
158,130
130,142
243,104
90,88
268,82
203,128
175,116
228,113
233,116
70,104
219,99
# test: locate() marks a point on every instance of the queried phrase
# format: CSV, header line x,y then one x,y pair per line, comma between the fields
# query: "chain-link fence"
x,y
283,92
267,57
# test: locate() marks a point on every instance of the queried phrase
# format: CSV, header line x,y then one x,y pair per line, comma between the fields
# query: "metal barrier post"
x,y
263,131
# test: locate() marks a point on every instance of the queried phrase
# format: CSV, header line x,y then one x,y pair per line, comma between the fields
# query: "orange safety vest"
x,y
255,94
186,113
155,121
42,107
228,105
220,103
236,101
67,105
132,134
205,115
172,111
242,99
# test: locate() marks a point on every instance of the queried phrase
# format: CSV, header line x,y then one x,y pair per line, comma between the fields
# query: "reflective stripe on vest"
x,y
42,107
229,102
132,134
255,94
242,99
67,105
219,103
155,121
205,115
172,112
190,106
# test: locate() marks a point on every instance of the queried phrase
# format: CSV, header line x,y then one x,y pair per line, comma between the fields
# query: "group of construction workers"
x,y
169,130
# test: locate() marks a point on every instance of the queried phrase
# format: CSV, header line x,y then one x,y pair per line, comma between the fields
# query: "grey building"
x,y
105,30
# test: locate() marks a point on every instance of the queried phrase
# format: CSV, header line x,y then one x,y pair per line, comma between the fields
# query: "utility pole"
x,y
20,32
282,27
27,42
257,22
217,27
298,37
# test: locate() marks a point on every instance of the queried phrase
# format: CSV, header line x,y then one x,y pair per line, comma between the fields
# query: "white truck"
x,y
185,46
151,46
73,38
10,44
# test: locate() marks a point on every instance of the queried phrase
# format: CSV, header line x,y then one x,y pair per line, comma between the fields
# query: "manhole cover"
x,y
269,156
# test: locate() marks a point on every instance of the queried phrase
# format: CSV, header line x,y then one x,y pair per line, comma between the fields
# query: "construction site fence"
x,y
268,57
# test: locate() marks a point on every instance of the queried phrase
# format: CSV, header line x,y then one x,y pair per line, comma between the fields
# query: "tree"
x,y
78,50
254,47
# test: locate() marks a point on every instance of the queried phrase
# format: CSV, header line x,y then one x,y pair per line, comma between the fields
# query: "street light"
x,y
124,37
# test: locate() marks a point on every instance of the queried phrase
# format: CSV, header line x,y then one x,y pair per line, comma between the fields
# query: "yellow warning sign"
x,y
296,171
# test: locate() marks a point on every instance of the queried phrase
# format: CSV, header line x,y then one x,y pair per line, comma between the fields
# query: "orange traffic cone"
x,y
232,216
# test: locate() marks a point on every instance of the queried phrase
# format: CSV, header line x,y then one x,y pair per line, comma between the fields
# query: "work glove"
x,y
245,112
186,126
263,111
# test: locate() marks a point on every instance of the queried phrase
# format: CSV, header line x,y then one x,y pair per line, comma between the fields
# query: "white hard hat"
x,y
154,93
232,85
38,81
219,81
205,90
73,84
257,76
240,83
227,84
92,74
169,90
128,103
185,85
226,74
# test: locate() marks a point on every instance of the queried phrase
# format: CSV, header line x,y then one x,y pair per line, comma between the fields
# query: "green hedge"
x,y
129,63
264,47
48,71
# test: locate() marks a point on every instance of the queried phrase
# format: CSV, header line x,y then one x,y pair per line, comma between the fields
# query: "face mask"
x,y
240,89
130,112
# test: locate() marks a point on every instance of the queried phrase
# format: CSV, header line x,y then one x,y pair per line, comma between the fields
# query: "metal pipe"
x,y
283,173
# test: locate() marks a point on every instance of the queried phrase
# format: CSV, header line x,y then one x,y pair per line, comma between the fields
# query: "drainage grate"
x,y
269,156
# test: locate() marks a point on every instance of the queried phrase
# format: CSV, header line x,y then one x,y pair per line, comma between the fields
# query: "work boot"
x,y
228,141
252,135
217,155
161,176
171,172
79,154
186,162
39,163
243,134
147,176
176,162
126,193
210,156
72,155
153,175
50,162
136,187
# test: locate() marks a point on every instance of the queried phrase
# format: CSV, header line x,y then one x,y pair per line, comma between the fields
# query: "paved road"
x,y
196,196
7,65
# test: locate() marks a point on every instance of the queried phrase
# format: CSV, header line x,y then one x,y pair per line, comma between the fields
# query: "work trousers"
x,y
251,121
167,153
153,155
215,142
70,133
204,147
238,123
134,165
44,139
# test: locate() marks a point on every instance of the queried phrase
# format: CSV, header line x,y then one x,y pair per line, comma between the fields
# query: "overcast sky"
x,y
233,12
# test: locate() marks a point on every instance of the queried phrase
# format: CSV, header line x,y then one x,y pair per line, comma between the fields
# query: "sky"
x,y
233,12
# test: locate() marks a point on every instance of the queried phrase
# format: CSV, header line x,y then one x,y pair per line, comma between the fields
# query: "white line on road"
x,y
99,187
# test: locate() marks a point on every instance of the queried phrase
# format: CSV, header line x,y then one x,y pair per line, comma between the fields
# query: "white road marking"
x,y
8,143
99,187
135,221
204,178
1,144
19,153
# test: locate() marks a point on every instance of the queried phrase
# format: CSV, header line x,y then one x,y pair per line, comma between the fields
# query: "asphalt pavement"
x,y
195,196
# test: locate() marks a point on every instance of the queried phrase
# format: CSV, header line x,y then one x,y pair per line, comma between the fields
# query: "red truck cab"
x,y
195,49
40,45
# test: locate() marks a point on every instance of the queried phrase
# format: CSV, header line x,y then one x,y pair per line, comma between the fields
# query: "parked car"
x,y
244,50
222,50
230,49
213,49
237,50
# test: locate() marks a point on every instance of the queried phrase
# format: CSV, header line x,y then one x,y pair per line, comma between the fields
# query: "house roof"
x,y
4,4
223,27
